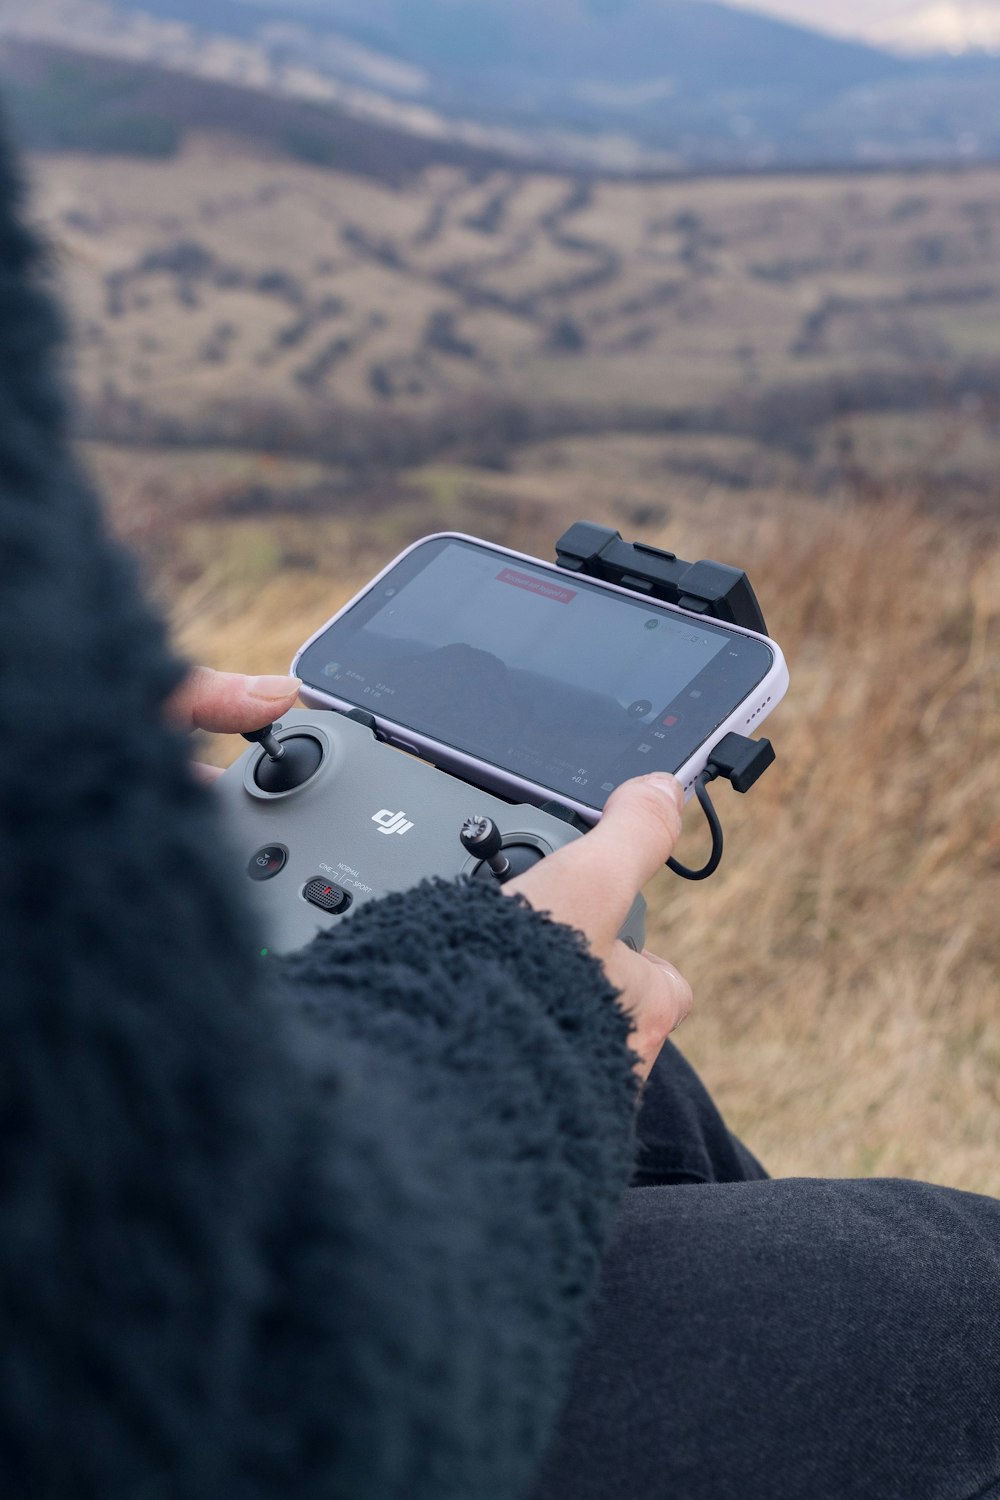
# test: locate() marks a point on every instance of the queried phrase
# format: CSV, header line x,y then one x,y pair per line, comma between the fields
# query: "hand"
x,y
590,885
229,703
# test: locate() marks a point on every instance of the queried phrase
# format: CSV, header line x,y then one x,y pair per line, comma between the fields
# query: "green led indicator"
x,y
264,952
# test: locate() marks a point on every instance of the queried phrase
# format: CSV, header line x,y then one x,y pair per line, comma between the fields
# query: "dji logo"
x,y
390,822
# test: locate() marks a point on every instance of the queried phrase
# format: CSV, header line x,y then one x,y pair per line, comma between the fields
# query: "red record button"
x,y
267,862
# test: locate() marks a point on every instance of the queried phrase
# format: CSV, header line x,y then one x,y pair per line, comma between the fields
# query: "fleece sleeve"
x,y
330,1242
470,1137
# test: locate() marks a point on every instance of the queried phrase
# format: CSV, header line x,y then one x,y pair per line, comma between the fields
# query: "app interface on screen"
x,y
560,683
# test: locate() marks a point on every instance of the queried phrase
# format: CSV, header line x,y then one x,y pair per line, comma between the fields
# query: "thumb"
x,y
591,883
639,829
229,702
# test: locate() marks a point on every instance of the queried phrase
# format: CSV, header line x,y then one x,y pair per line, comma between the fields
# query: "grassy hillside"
x,y
823,331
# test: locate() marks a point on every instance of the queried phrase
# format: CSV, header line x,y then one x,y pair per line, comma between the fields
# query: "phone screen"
x,y
541,673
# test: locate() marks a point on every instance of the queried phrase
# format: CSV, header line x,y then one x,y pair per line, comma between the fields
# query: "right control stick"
x,y
481,837
498,859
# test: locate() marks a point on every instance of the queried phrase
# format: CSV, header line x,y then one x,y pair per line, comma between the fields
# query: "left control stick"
x,y
286,764
267,738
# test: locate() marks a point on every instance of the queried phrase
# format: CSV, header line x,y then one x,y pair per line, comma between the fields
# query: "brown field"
x,y
844,327
833,345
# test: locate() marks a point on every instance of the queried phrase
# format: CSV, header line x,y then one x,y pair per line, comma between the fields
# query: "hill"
x,y
807,331
61,98
623,84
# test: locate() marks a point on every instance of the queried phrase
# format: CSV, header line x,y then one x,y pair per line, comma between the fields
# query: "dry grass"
x,y
846,960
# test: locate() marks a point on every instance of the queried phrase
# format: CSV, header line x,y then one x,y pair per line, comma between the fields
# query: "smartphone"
x,y
533,682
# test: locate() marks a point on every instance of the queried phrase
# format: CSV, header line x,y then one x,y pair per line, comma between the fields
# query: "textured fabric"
x,y
681,1135
336,1239
802,1340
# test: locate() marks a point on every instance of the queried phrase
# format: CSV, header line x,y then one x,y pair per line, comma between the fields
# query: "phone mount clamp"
x,y
705,588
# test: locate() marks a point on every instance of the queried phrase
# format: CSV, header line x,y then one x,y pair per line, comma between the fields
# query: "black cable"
x,y
701,792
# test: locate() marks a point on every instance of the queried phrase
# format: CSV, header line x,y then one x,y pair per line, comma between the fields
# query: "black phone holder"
x,y
705,588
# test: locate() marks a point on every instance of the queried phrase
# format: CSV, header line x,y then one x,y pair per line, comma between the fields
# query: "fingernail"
x,y
669,785
272,688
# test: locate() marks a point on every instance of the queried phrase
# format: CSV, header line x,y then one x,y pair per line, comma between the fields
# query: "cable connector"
x,y
740,761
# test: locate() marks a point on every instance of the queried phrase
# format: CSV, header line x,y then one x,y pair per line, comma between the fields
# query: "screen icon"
x,y
644,749
652,624
640,708
331,669
671,721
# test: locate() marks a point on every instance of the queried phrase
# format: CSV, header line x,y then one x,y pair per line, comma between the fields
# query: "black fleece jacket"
x,y
333,1238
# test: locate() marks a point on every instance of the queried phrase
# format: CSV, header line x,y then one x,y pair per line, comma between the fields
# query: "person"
x,y
359,1223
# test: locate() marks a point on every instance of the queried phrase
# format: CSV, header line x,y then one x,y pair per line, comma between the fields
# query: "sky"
x,y
914,24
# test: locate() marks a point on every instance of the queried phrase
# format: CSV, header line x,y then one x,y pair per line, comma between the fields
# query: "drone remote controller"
x,y
322,817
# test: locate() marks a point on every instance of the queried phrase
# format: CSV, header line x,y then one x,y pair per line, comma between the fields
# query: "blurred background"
x,y
726,277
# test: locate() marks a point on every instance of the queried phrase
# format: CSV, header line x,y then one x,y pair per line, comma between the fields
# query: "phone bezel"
x,y
750,711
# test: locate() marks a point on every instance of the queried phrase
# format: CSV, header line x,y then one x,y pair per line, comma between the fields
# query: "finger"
x,y
683,993
655,996
229,702
592,883
205,774
640,825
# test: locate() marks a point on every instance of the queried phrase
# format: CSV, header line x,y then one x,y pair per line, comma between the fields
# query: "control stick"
x,y
267,738
285,764
481,836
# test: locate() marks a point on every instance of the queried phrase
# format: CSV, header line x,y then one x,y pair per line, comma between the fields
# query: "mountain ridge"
x,y
605,84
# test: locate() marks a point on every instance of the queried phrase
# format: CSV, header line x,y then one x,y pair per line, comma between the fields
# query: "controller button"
x,y
267,862
326,896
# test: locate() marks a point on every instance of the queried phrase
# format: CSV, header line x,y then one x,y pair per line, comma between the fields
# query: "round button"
x,y
640,708
267,862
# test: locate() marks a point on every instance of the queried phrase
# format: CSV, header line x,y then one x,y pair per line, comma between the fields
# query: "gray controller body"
x,y
369,820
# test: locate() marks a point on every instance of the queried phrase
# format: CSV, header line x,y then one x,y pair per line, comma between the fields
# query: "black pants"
x,y
791,1340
